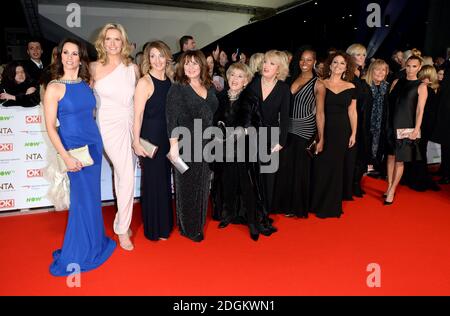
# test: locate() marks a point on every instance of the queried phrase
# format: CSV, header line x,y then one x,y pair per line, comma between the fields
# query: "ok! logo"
x,y
6,147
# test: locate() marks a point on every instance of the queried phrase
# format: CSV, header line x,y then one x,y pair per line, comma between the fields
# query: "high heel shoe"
x,y
389,203
224,223
125,242
254,233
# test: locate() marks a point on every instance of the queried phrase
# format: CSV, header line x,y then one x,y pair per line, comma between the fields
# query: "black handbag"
x,y
311,145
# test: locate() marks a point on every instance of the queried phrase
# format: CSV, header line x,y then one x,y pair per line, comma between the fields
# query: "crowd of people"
x,y
328,121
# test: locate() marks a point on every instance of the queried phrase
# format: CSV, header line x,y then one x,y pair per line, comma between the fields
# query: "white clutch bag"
x,y
149,147
81,154
403,133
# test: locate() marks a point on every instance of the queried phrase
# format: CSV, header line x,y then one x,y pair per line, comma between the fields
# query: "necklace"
x,y
68,81
268,84
233,96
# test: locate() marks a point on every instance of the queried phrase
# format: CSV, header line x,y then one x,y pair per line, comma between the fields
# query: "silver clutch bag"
x,y
180,165
150,148
81,154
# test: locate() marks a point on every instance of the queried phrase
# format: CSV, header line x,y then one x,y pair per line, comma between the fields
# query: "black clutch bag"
x,y
311,146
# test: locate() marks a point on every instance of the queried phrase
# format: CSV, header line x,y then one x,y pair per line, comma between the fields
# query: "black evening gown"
x,y
328,166
356,157
184,106
292,183
275,113
156,192
238,193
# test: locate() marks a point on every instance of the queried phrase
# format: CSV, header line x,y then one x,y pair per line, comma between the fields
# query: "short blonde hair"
x,y
256,62
163,49
428,60
355,49
377,63
240,66
428,71
280,59
99,46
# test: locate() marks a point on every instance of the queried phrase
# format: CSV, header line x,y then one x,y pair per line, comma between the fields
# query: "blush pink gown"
x,y
115,119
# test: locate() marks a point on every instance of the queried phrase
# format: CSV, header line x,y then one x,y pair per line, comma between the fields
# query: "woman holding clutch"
x,y
407,102
150,125
190,101
70,99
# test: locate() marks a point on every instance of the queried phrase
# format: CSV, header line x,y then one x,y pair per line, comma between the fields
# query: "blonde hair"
x,y
163,49
256,62
428,60
99,43
429,72
240,66
280,59
356,49
377,63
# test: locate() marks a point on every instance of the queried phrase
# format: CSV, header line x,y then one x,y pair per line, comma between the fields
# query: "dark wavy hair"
x,y
9,74
199,57
57,68
349,74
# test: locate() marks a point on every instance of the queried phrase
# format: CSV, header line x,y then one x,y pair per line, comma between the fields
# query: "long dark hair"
x,y
349,74
57,69
9,74
199,57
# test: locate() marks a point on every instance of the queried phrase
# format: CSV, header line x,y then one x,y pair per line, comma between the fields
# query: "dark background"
x,y
424,24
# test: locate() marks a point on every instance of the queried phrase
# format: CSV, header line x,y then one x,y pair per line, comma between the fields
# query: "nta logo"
x,y
5,131
6,147
7,203
33,156
6,186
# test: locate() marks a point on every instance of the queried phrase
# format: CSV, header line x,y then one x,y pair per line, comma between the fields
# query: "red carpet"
x,y
409,240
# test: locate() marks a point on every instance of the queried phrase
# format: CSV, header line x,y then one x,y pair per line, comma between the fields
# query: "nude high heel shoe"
x,y
125,242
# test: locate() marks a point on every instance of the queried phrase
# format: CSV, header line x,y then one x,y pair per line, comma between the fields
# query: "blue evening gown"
x,y
85,242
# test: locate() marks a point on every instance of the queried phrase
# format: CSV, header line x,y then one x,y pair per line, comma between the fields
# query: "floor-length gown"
x,y
328,166
115,119
185,108
85,242
293,183
156,192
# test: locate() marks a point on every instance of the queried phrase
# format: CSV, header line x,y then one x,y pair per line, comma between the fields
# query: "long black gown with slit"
x,y
328,166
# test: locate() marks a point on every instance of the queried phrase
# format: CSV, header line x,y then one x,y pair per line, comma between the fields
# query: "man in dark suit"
x,y
186,43
34,65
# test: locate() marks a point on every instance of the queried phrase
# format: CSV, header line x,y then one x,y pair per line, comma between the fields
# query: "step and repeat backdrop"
x,y
24,147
